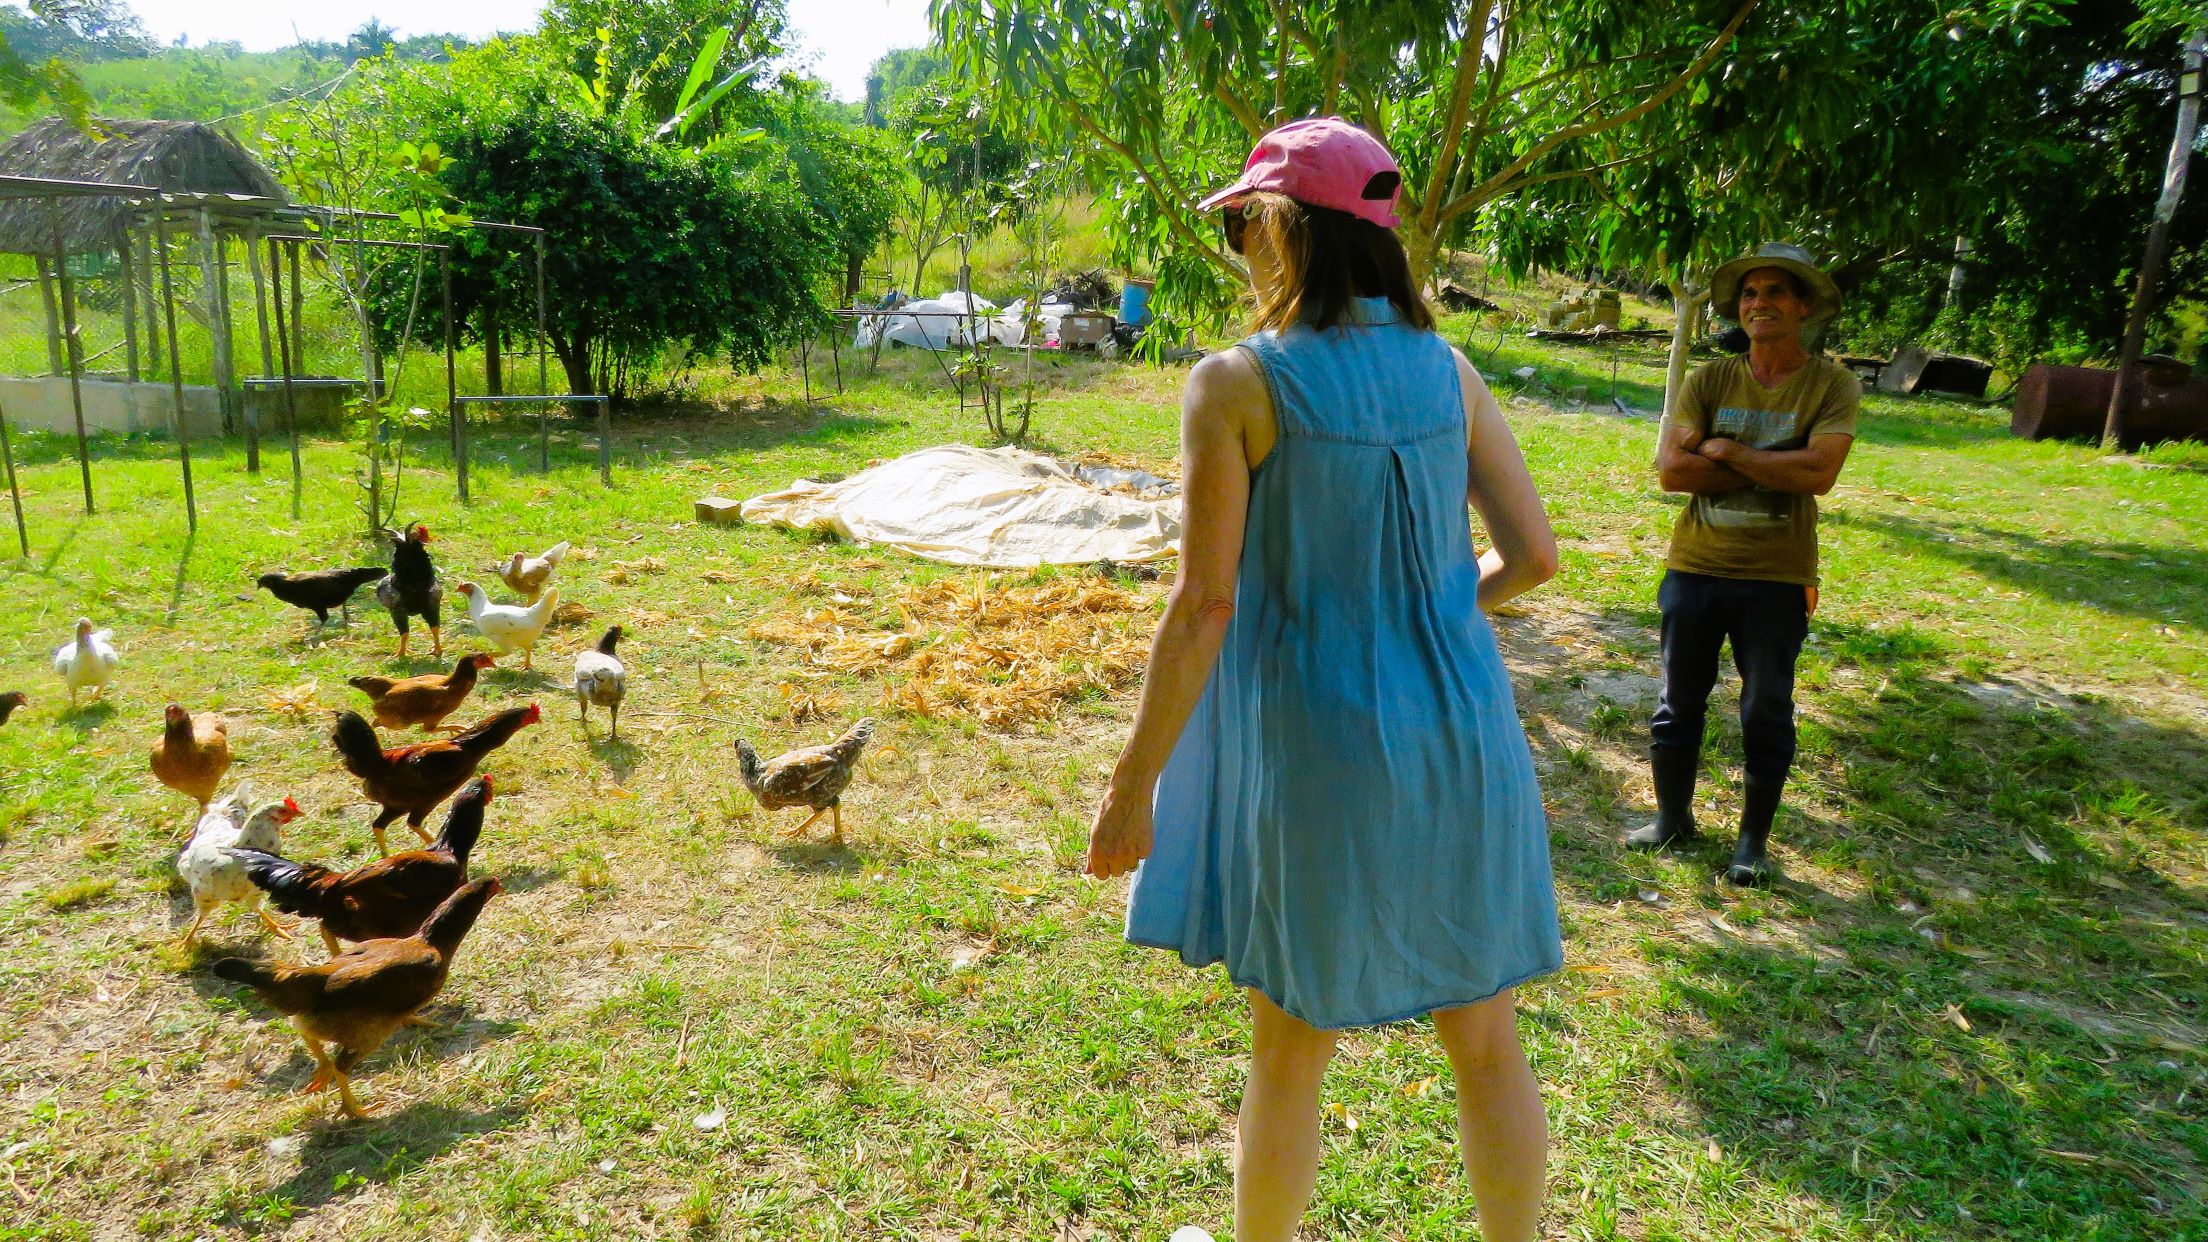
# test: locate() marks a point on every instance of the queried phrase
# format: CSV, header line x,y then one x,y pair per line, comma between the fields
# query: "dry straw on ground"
x,y
1006,657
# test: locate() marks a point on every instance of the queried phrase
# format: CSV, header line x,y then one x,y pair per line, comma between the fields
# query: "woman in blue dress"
x,y
1327,787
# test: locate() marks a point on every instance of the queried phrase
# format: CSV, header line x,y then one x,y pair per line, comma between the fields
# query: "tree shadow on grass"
x,y
1974,1010
2159,582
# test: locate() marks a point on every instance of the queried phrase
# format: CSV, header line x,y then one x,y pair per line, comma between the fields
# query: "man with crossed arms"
x,y
1753,442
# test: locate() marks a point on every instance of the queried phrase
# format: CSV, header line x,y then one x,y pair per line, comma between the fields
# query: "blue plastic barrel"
x,y
1134,303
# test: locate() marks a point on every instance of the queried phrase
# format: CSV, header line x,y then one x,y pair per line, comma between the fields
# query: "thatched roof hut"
x,y
183,157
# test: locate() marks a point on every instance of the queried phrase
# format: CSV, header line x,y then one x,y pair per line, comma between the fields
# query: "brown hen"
x,y
193,753
426,700
358,998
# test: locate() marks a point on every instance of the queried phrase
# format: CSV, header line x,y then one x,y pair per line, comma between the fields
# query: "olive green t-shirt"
x,y
1756,532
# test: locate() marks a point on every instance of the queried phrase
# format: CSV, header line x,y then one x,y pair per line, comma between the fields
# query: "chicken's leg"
x,y
616,710
323,1066
191,933
270,922
799,831
437,641
329,941
345,1098
835,809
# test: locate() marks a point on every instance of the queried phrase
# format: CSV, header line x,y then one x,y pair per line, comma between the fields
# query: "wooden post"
x,y
176,370
2126,391
251,237
232,391
210,288
153,312
452,387
283,346
7,455
53,315
544,412
494,365
605,441
70,345
124,252
298,363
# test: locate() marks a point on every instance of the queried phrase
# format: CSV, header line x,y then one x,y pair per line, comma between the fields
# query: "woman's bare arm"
x,y
1501,489
1225,395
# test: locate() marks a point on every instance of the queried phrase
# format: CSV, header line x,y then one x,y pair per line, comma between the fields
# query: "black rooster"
x,y
320,591
411,588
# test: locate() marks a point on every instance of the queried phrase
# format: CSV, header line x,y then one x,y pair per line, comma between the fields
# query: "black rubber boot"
x,y
1759,804
1673,770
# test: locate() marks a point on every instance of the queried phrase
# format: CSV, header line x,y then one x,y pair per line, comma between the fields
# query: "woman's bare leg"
x,y
1276,1147
1500,1121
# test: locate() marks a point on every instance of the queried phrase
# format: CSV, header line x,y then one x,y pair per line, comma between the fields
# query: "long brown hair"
x,y
1326,258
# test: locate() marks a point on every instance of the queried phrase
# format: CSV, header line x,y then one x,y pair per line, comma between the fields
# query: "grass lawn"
x,y
1974,1010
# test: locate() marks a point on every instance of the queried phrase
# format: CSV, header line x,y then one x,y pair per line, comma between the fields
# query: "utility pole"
x,y
2126,391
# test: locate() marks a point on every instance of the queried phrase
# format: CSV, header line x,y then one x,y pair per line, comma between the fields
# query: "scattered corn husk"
x,y
572,613
1005,657
623,572
297,701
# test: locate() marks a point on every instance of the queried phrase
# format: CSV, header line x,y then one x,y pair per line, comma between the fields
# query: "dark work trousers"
x,y
1766,623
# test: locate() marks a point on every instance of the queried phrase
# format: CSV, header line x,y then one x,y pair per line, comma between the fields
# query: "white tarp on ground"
x,y
1001,508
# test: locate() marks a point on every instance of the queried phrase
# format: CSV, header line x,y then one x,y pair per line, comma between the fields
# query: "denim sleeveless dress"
x,y
1351,820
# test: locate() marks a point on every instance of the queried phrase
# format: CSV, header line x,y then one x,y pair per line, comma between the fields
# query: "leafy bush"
x,y
650,246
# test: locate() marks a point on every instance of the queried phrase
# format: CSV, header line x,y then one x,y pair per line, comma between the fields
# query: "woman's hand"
x,y
1121,835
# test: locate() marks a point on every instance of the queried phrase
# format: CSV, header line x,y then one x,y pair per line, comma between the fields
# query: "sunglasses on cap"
x,y
1234,224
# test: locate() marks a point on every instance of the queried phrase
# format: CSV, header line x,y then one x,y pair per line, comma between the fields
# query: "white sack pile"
x,y
1001,508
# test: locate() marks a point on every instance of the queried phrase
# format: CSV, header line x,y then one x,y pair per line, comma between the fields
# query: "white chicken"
x,y
88,660
600,679
215,876
509,627
527,574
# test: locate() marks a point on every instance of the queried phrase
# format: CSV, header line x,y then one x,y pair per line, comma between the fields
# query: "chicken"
x,y
510,628
815,776
384,899
88,660
412,780
193,753
215,877
321,590
9,702
600,679
358,998
411,589
425,700
526,575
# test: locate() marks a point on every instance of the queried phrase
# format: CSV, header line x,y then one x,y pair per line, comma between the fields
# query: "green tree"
x,y
652,247
898,73
1480,100
847,171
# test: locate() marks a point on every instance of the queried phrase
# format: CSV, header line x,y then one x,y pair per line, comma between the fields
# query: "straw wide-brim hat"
x,y
1824,295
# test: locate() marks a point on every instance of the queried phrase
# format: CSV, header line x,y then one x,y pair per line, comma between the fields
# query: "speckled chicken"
x,y
600,679
214,876
813,777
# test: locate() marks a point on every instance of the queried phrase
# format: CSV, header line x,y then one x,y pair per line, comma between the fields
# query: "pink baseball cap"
x,y
1325,162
